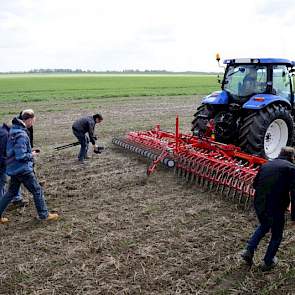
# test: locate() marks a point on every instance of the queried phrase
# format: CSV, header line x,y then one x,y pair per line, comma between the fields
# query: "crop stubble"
x,y
121,233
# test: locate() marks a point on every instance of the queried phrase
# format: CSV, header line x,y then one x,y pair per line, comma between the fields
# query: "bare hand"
x,y
35,153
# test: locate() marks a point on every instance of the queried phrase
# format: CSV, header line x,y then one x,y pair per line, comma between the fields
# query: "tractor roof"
x,y
276,61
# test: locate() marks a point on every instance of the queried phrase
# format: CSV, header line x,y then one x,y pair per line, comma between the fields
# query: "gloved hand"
x,y
98,149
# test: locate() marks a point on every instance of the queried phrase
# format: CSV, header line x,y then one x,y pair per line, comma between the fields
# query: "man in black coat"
x,y
83,129
273,184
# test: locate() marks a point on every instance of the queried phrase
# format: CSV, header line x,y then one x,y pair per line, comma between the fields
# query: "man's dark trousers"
x,y
84,142
276,225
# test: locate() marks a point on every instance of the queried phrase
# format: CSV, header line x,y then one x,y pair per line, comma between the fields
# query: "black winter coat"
x,y
4,131
274,184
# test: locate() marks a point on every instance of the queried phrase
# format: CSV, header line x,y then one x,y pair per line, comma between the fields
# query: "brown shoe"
x,y
52,217
3,220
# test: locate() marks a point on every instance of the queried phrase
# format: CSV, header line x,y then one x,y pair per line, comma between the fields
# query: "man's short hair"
x,y
98,116
288,152
27,114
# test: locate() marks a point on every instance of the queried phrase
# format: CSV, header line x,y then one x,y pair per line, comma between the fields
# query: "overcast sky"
x,y
177,35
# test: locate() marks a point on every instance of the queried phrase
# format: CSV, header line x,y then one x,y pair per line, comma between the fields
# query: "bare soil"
x,y
121,232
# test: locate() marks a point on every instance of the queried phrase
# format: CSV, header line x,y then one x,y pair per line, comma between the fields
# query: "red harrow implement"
x,y
210,164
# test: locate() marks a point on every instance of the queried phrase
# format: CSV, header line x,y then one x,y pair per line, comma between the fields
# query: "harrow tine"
x,y
197,171
189,171
175,171
247,202
241,194
186,170
179,174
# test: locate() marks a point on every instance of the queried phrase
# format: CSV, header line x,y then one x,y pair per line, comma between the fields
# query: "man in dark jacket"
x,y
83,129
17,200
19,166
273,184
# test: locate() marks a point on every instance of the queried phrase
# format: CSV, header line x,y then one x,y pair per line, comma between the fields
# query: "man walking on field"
x,y
83,129
19,166
274,189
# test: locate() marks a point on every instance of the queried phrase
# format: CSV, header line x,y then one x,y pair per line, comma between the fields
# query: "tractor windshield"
x,y
245,80
281,81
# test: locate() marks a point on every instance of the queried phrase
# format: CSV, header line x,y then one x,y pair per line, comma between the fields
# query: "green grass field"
x,y
23,88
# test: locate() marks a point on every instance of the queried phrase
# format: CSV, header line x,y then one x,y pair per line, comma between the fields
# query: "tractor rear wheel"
x,y
266,131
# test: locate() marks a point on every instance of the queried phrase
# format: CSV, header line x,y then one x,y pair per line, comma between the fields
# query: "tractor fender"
x,y
260,101
217,97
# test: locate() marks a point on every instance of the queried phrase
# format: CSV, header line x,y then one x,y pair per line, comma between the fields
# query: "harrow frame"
x,y
210,164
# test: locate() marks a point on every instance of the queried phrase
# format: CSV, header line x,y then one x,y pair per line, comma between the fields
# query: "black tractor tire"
x,y
255,125
199,123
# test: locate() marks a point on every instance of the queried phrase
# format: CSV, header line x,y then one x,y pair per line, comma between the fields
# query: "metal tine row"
x,y
234,183
229,177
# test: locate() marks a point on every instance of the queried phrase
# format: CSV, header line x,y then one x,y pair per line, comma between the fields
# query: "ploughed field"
x,y
121,232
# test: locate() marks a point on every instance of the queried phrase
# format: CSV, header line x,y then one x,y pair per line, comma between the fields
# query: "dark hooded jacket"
x,y
85,125
4,131
30,131
274,187
19,152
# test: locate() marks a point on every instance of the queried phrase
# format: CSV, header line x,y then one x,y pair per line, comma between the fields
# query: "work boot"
x,y
267,267
3,220
50,217
247,256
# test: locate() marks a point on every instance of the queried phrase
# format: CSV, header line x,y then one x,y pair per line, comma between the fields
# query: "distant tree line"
x,y
79,71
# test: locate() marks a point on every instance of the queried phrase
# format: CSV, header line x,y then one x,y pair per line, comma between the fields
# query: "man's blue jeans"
x,y
3,180
84,142
276,225
32,185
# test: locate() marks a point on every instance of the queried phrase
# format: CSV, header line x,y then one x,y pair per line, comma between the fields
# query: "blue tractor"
x,y
255,107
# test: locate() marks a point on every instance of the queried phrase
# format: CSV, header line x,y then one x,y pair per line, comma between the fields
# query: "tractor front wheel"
x,y
266,131
201,119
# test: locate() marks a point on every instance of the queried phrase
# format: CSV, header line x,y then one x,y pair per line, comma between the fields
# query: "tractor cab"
x,y
254,108
247,77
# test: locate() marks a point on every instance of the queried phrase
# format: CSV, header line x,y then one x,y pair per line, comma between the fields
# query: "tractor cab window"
x,y
281,82
245,80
